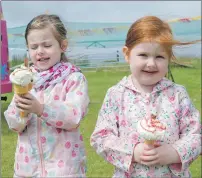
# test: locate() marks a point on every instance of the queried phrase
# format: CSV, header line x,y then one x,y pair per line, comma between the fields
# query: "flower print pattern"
x,y
67,145
61,164
26,159
73,154
59,123
56,97
21,150
43,139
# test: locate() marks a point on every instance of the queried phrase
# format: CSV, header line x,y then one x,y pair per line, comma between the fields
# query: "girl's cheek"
x,y
32,55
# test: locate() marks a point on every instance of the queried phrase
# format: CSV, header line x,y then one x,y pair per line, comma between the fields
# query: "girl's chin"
x,y
42,65
42,68
149,82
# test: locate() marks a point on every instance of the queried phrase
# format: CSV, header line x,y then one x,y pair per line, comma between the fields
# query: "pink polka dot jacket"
x,y
115,134
52,145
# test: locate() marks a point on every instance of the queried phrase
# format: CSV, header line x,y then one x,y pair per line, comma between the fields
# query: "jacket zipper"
x,y
40,148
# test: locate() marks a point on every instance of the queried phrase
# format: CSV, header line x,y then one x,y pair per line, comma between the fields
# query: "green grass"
x,y
99,82
16,60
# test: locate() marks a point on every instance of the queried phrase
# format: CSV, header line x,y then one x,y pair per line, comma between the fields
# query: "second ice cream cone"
x,y
23,114
149,142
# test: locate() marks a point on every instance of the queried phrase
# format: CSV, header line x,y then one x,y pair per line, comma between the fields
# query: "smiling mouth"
x,y
150,72
43,59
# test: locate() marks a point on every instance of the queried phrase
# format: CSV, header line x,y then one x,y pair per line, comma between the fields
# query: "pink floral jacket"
x,y
52,145
115,134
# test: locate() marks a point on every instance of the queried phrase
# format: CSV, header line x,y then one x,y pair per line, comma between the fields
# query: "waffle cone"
x,y
30,85
23,114
149,142
21,90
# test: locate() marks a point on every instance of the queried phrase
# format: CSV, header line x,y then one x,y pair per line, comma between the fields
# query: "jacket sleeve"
x,y
67,105
15,122
106,140
188,146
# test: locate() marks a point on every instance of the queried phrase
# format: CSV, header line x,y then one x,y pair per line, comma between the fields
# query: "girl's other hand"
x,y
29,104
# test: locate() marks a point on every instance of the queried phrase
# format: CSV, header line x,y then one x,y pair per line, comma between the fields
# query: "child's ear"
x,y
64,45
125,53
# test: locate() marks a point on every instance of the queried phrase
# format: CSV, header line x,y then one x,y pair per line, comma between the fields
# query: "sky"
x,y
19,13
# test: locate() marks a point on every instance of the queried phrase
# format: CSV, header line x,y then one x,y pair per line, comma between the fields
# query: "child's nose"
x,y
151,62
40,50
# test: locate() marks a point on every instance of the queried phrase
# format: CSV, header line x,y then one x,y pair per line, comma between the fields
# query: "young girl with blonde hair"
x,y
49,140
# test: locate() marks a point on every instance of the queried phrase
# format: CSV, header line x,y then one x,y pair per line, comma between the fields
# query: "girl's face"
x,y
148,63
45,51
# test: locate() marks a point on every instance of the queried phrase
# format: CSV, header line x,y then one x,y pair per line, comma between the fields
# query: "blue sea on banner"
x,y
95,39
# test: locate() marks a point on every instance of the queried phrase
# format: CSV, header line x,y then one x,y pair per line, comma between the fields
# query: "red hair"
x,y
153,29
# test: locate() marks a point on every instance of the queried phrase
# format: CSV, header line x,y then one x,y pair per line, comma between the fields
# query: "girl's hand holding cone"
x,y
150,153
161,155
29,104
140,150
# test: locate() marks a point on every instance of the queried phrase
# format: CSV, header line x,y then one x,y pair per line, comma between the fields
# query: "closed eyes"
x,y
35,47
47,46
145,55
160,57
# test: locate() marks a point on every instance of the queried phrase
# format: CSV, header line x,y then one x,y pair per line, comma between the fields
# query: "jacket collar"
x,y
163,84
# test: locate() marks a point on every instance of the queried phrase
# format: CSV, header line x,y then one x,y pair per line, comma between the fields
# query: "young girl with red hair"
x,y
148,51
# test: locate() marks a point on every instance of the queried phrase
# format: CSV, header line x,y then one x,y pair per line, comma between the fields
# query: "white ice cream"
x,y
21,76
150,131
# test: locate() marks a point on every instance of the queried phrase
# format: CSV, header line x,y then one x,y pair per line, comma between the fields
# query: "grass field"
x,y
99,82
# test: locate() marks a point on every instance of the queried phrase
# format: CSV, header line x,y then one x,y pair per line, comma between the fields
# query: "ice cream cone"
x,y
22,79
151,130
149,142
30,85
21,90
23,114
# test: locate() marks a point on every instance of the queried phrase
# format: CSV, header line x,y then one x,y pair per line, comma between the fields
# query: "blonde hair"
x,y
52,21
153,29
